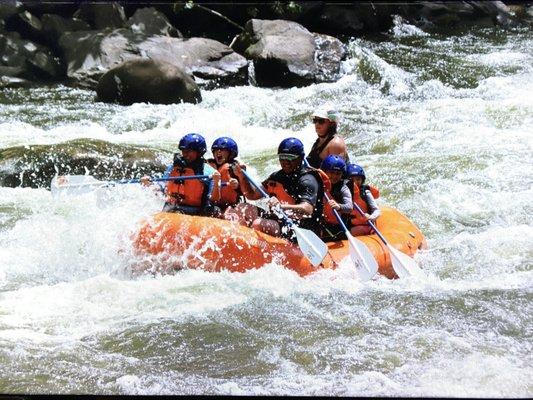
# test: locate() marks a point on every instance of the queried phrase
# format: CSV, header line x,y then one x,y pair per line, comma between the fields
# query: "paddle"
x,y
79,184
365,263
403,265
313,248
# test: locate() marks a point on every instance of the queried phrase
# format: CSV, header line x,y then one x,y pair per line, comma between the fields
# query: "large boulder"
x,y
8,8
26,24
35,166
204,58
286,54
24,59
149,21
90,54
149,81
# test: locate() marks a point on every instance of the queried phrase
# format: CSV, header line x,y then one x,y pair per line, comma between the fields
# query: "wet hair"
x,y
332,128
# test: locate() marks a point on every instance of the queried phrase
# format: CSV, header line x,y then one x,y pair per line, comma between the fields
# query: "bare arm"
x,y
247,189
336,146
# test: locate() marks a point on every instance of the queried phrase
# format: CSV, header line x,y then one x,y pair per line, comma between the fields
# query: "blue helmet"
x,y
226,143
291,146
355,170
193,141
333,162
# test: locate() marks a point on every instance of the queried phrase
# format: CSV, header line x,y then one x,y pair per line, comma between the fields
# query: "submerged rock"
x,y
147,81
35,166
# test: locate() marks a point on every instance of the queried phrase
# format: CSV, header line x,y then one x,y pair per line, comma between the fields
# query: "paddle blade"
x,y
365,263
74,184
313,248
403,265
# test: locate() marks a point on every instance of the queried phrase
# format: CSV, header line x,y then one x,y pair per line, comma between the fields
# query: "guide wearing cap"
x,y
328,141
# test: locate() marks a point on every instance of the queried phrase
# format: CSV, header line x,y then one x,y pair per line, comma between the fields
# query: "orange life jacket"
x,y
356,217
228,195
191,192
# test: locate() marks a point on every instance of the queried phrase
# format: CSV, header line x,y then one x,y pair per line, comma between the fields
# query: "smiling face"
x,y
221,156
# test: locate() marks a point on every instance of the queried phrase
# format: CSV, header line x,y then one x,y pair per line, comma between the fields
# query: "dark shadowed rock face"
x,y
102,15
35,166
149,81
24,59
54,26
286,54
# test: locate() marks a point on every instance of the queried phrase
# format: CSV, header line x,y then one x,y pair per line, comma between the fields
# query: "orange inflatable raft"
x,y
213,244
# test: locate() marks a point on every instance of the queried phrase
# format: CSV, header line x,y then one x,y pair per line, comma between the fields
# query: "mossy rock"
x,y
35,166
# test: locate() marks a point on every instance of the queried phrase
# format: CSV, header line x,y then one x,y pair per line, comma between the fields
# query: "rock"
x,y
275,62
102,15
27,25
35,166
444,15
278,64
24,59
329,53
149,21
54,26
202,57
9,8
89,54
8,78
149,81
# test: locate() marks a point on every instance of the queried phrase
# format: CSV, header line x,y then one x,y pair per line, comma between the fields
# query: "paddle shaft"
x,y
265,194
370,223
121,182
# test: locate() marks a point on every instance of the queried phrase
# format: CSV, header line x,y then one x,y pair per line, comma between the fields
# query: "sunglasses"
x,y
288,157
319,120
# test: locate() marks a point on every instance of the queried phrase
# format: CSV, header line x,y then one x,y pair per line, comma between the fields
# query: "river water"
x,y
443,125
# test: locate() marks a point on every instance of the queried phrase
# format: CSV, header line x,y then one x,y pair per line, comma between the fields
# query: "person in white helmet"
x,y
329,141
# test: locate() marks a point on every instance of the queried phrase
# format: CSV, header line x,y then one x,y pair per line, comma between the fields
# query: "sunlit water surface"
x,y
442,124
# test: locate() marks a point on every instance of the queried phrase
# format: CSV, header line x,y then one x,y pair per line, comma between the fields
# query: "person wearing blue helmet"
x,y
296,189
340,199
364,195
225,151
192,196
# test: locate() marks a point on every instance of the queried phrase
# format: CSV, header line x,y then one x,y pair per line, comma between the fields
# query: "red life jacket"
x,y
187,193
228,195
356,217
